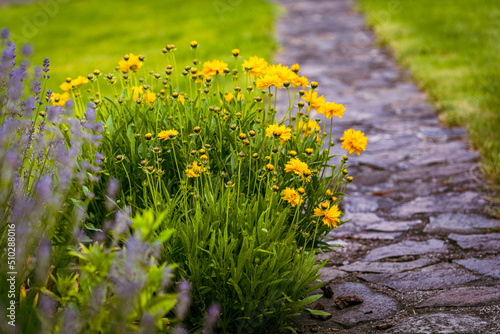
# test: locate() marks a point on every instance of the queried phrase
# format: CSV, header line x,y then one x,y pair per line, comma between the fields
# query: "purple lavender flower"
x,y
112,188
147,324
27,50
4,34
184,299
48,95
46,65
7,62
212,317
180,330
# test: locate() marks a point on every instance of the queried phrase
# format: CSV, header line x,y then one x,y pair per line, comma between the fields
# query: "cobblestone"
x,y
419,222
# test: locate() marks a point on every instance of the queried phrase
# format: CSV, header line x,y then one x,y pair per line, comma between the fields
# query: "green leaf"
x,y
316,312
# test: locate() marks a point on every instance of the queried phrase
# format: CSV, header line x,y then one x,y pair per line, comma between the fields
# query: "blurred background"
x,y
79,36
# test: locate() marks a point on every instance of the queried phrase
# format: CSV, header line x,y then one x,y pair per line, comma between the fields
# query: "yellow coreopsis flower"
x,y
67,86
292,196
80,80
149,97
312,98
211,68
354,141
309,128
195,170
298,167
132,64
298,81
331,109
330,214
268,80
167,134
281,71
60,99
255,65
137,92
279,131
229,97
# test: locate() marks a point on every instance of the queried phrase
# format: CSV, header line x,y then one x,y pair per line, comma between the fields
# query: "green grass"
x,y
452,49
82,35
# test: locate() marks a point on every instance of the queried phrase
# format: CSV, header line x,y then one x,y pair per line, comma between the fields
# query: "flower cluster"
x,y
223,166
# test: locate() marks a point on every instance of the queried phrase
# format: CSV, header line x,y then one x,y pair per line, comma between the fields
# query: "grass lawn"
x,y
452,48
81,35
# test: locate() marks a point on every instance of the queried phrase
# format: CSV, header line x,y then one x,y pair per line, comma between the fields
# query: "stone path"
x,y
420,248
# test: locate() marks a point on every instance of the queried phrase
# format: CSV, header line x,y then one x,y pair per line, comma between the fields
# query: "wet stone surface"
x,y
438,276
486,242
418,234
460,223
407,247
460,297
386,267
489,267
440,323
